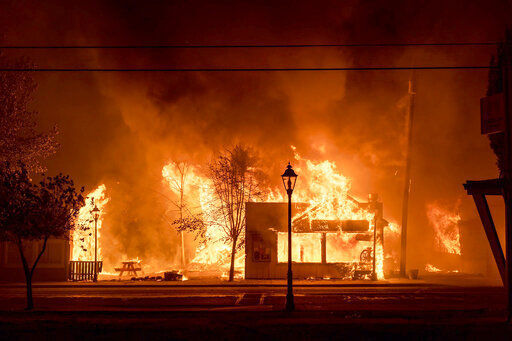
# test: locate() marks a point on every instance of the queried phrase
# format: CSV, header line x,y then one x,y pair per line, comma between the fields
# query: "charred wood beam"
x,y
484,187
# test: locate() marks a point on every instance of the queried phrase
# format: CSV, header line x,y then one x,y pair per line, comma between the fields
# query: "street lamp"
x,y
289,178
95,214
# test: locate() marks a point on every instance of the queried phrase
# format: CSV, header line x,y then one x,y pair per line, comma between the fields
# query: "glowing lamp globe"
x,y
289,178
95,212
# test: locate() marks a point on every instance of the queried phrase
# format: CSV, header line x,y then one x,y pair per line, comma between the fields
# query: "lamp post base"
x,y
290,305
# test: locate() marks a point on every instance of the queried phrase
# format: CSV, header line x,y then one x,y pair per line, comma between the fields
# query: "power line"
x,y
247,46
377,68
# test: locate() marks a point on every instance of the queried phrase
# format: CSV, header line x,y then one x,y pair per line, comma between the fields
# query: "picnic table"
x,y
130,266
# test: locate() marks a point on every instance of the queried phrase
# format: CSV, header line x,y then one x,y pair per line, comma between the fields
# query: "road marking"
x,y
240,297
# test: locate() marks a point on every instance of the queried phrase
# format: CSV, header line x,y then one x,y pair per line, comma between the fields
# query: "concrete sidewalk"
x,y
394,282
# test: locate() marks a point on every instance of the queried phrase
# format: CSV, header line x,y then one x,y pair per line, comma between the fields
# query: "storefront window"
x,y
306,247
260,250
344,247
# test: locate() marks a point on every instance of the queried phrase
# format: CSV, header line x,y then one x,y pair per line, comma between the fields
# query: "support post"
x,y
374,264
324,247
95,278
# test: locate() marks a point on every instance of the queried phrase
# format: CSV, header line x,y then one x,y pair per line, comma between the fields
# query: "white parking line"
x,y
240,297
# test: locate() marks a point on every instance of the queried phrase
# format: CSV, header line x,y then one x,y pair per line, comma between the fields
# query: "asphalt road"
x,y
254,313
258,298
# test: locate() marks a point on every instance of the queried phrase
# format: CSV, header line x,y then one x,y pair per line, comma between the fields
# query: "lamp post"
x,y
289,178
95,214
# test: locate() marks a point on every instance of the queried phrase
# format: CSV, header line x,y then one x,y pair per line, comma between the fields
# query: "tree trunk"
x,y
28,276
30,300
232,266
30,272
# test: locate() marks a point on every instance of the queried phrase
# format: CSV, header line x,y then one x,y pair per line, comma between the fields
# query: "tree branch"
x,y
39,256
22,256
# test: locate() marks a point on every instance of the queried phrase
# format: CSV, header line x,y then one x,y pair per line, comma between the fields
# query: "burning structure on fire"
x,y
334,233
321,248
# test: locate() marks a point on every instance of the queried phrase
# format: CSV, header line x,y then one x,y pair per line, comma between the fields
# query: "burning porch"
x,y
322,248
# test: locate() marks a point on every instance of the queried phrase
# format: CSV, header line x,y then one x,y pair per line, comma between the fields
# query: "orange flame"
x,y
445,225
83,239
431,268
327,192
201,199
434,269
320,185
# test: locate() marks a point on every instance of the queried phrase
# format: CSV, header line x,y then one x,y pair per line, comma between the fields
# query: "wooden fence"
x,y
83,270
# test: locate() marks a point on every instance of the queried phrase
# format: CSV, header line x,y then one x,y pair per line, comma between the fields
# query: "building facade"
x,y
320,248
53,265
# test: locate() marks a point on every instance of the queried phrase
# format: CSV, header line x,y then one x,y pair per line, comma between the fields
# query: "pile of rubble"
x,y
167,276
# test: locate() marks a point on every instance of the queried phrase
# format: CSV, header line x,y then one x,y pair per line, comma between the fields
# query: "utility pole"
x,y
407,177
183,260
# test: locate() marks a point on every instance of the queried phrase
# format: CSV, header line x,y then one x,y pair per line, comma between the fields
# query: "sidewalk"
x,y
393,282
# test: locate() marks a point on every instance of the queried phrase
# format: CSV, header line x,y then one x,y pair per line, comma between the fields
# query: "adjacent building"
x,y
53,265
320,248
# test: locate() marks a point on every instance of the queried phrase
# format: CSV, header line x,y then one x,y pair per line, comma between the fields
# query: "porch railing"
x,y
80,270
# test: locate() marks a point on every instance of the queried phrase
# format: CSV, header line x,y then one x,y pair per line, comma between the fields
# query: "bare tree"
x,y
19,141
177,184
235,181
31,212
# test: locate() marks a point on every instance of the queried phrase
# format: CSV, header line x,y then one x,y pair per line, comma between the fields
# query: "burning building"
x,y
334,232
321,248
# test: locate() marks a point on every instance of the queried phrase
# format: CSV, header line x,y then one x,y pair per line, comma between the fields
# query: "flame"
x,y
200,199
83,239
431,268
326,191
379,261
321,185
445,224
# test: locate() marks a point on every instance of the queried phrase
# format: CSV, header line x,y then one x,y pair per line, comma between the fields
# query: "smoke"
x,y
122,128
